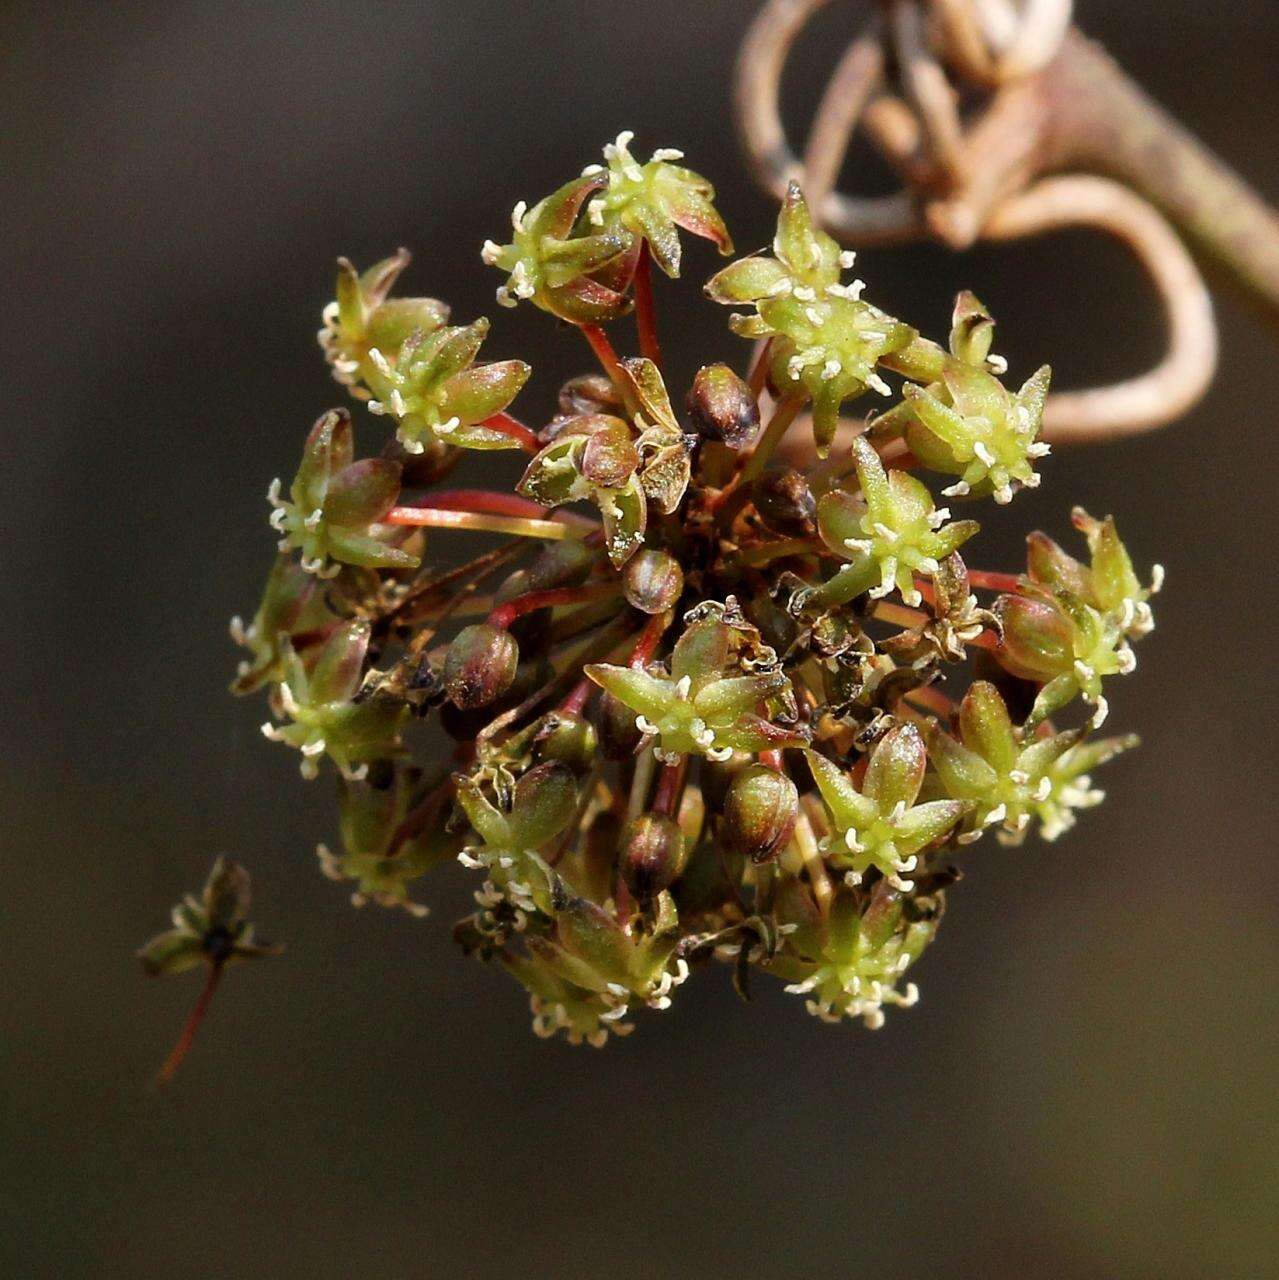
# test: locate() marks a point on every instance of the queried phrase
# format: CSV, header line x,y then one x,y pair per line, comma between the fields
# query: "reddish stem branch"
x,y
994,581
577,700
645,311
505,614
670,783
506,425
609,362
484,501
648,640
187,1038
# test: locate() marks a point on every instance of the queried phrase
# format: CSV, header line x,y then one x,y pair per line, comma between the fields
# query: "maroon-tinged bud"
x,y
619,735
480,665
723,407
569,739
1038,638
653,581
1052,567
589,393
610,457
652,855
760,812
785,502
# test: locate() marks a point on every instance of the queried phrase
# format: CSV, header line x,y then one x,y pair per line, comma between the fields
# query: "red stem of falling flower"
x,y
772,759
648,641
187,1038
483,501
670,783
506,425
645,311
505,614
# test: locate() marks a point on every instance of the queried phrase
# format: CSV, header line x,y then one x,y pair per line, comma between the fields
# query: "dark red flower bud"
x,y
722,406
760,812
785,502
653,581
652,855
589,393
480,665
619,735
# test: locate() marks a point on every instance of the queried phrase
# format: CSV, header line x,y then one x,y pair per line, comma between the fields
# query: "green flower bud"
x,y
723,407
570,739
760,812
653,581
480,665
653,855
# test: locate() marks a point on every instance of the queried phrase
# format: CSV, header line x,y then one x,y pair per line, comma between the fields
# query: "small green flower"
x,y
880,825
1010,778
293,603
336,504
827,339
654,201
665,451
528,815
437,394
318,697
849,963
968,425
706,704
364,317
1064,644
554,269
587,972
892,533
1109,585
391,834
210,929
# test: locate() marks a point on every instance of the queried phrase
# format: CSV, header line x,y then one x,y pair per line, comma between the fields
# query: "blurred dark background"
x,y
1088,1087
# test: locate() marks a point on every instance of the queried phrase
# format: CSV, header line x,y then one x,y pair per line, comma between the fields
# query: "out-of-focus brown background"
x,y
1088,1087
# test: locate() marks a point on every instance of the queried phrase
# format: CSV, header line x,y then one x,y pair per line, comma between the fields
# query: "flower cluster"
x,y
688,702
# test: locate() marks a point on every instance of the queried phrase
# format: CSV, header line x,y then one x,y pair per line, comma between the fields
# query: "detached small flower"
x,y
211,930
335,504
653,201
437,394
706,705
888,536
880,825
319,700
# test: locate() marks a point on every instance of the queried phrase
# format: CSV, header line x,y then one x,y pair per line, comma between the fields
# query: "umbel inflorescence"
x,y
700,704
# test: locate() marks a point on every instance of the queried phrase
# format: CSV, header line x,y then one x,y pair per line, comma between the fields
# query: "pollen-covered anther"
x,y
876,383
846,258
